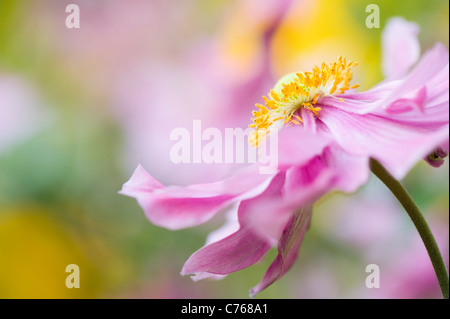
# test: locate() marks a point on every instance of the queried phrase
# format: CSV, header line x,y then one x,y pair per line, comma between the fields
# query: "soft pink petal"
x,y
437,86
309,122
415,101
231,226
236,251
425,86
430,65
176,207
361,102
404,123
303,186
141,181
288,248
297,146
432,116
333,170
397,145
401,47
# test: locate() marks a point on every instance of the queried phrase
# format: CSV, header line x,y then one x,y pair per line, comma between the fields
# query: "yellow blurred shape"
x,y
316,31
240,38
34,253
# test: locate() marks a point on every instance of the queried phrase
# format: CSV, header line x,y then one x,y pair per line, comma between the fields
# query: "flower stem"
x,y
419,221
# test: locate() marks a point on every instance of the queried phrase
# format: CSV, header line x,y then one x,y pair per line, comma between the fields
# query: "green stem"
x,y
419,221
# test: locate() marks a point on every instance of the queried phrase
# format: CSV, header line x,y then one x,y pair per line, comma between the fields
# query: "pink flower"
x,y
327,134
21,111
303,176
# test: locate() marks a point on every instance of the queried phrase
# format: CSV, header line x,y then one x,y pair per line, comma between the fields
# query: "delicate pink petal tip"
x,y
206,275
237,251
231,226
401,47
288,248
140,181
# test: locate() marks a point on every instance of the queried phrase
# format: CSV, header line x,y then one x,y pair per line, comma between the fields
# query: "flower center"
x,y
296,91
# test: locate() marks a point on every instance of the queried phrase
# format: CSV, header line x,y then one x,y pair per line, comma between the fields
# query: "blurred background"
x,y
81,108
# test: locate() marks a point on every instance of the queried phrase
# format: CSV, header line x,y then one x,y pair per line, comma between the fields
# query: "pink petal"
x,y
176,207
297,146
398,145
407,104
303,186
425,86
401,47
236,251
431,64
361,102
141,181
231,226
333,170
288,248
432,115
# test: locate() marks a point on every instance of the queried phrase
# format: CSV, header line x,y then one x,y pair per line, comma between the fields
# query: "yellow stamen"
x,y
299,118
298,91
315,98
274,95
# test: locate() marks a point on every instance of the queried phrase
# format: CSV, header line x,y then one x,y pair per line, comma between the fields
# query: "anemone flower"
x,y
327,134
396,122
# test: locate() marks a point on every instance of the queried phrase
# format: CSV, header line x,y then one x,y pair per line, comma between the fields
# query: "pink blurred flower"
x,y
398,122
154,97
405,269
402,280
155,78
401,47
21,112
